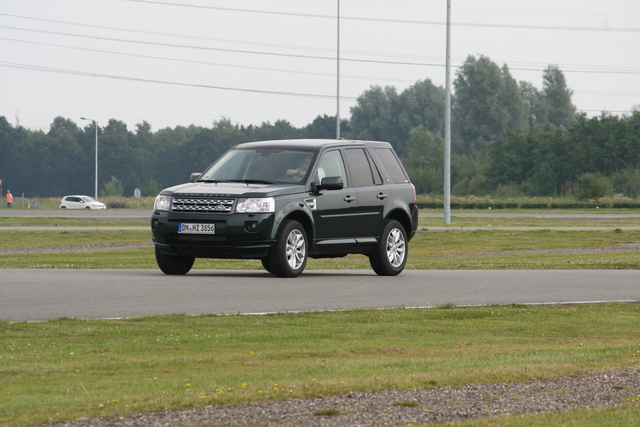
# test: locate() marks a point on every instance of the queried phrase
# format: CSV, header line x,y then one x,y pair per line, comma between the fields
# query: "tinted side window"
x,y
331,164
392,164
360,168
377,176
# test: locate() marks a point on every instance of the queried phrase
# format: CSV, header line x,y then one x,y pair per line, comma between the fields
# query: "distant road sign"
x,y
136,193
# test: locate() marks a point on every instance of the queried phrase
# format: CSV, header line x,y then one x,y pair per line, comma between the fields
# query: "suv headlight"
x,y
256,205
162,203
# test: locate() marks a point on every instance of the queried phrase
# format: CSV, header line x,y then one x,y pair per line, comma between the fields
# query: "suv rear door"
x,y
371,192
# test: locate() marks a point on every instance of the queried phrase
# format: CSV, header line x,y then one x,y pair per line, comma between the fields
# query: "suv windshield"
x,y
260,165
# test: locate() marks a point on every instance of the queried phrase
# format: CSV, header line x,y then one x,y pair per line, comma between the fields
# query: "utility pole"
x,y
447,124
338,77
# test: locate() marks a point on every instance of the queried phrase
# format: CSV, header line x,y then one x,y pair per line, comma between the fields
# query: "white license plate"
x,y
197,228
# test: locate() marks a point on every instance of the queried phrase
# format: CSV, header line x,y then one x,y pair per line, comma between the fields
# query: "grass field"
x,y
68,368
440,250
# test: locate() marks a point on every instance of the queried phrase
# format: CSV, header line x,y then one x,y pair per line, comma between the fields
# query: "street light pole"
x,y
96,180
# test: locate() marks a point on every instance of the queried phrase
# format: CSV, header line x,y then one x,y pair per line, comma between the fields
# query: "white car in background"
x,y
81,202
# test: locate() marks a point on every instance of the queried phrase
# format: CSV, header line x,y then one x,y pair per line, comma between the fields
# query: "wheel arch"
x,y
403,218
305,220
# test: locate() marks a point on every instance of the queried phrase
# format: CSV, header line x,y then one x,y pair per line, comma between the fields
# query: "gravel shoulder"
x,y
431,405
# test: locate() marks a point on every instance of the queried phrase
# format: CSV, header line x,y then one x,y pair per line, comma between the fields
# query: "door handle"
x,y
382,196
349,198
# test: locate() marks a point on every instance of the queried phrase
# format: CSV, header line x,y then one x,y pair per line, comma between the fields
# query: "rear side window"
x,y
391,162
362,172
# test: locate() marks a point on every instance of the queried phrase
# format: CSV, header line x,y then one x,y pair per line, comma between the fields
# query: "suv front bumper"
x,y
236,235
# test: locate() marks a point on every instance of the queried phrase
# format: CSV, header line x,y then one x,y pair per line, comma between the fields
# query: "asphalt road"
x,y
31,295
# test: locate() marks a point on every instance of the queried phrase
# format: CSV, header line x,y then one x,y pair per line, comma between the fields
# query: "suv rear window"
x,y
392,164
361,173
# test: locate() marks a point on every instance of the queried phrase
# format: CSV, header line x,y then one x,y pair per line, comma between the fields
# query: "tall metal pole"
x,y
447,124
95,123
338,78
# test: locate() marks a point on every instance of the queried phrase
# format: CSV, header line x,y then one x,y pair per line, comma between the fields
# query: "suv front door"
x,y
335,214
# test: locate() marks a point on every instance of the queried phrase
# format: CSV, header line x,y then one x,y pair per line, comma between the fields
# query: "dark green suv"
x,y
283,201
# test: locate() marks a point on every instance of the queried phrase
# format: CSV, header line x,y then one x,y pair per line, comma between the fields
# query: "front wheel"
x,y
288,257
265,264
390,256
177,265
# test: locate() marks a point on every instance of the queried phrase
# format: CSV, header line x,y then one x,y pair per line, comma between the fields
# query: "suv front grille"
x,y
206,205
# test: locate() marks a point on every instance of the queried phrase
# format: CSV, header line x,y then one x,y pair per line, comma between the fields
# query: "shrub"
x,y
627,182
593,186
117,204
113,188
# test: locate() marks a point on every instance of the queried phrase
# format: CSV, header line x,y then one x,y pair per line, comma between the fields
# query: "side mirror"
x,y
194,176
330,183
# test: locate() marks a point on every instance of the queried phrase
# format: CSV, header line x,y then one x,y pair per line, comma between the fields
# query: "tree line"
x,y
504,133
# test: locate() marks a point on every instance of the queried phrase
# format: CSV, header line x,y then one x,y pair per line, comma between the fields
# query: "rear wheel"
x,y
390,256
174,264
288,257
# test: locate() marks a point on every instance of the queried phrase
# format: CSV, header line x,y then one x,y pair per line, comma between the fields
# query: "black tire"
x,y
177,265
288,257
390,256
265,264
63,207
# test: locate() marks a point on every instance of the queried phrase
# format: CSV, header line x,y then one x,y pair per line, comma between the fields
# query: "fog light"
x,y
251,226
155,223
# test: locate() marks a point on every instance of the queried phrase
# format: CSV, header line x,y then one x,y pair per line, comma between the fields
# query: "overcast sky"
x,y
182,62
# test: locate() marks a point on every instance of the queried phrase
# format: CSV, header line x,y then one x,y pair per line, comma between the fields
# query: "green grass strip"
x,y
67,368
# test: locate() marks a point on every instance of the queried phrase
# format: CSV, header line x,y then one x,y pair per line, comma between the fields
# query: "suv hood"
x,y
232,189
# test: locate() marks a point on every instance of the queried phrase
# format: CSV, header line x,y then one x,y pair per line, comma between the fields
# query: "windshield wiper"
x,y
251,181
212,181
242,181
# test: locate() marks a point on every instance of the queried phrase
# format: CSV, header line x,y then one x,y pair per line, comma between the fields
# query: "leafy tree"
x,y
469,174
424,161
113,188
150,188
324,127
557,97
488,103
383,115
281,129
627,182
374,115
537,108
421,104
543,181
116,155
593,186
